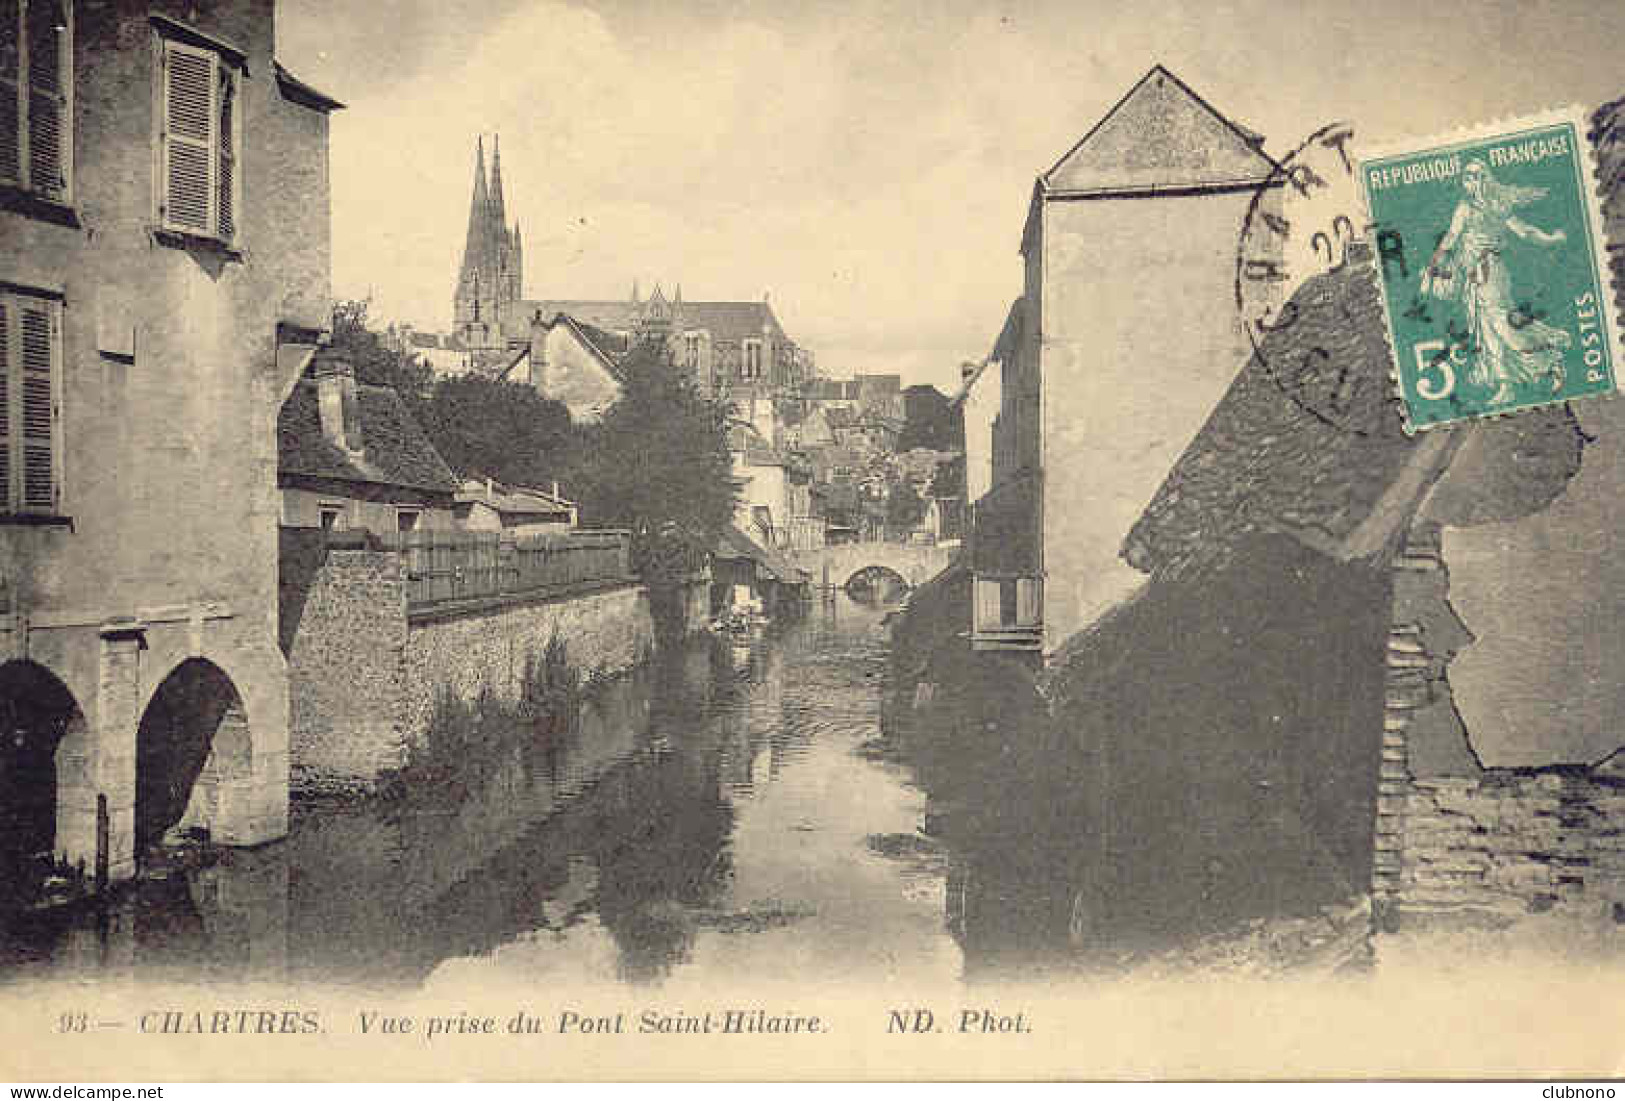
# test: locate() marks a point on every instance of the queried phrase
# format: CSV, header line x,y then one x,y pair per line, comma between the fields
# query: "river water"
x,y
719,815
727,814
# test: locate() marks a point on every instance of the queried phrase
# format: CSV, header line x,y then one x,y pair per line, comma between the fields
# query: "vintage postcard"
x,y
585,539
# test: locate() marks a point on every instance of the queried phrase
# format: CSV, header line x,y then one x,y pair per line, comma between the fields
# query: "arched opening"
x,y
36,713
193,741
876,585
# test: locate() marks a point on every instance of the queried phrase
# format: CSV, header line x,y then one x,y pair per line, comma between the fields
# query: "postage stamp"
x,y
1493,269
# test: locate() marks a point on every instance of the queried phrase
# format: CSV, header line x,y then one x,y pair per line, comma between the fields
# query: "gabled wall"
x,y
1140,338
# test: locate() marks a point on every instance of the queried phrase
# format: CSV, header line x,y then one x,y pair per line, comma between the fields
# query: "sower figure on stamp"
x,y
1510,348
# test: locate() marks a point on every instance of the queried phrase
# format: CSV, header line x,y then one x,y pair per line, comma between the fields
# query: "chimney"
x,y
538,352
336,400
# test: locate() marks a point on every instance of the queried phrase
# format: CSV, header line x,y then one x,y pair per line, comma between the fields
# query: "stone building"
x,y
734,350
491,278
1133,231
164,259
571,362
484,504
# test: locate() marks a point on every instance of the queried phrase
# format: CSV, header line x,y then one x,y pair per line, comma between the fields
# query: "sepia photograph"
x,y
903,540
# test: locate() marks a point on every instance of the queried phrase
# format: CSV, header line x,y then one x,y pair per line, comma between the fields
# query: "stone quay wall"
x,y
605,631
365,668
346,669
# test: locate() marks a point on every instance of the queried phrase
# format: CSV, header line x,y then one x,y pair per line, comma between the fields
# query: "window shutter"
x,y
226,132
39,407
47,100
11,150
189,139
6,494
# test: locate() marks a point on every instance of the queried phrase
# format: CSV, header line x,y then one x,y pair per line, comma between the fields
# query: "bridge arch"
x,y
42,766
193,748
875,583
834,564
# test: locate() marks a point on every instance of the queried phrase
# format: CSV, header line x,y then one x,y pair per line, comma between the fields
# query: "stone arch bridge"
x,y
915,563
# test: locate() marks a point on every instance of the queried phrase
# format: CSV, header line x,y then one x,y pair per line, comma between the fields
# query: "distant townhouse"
x,y
571,362
164,259
484,504
732,350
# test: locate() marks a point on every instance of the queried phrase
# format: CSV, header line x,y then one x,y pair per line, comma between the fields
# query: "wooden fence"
x,y
444,566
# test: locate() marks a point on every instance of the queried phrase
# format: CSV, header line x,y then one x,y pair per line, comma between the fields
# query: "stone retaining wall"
x,y
346,670
364,671
604,632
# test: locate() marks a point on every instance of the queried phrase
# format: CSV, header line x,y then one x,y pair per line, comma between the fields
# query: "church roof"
x,y
1160,136
723,320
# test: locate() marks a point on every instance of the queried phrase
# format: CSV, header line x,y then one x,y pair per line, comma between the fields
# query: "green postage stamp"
x,y
1493,269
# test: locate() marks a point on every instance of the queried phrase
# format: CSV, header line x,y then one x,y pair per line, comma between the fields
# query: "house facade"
x,y
164,259
1139,218
571,362
483,504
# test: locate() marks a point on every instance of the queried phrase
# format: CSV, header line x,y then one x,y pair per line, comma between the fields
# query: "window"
x,y
332,517
752,368
36,111
30,440
406,519
199,145
691,343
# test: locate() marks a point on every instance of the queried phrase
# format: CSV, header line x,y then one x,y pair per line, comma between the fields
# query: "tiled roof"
x,y
608,349
1280,453
396,450
610,345
1161,134
1307,443
733,543
513,500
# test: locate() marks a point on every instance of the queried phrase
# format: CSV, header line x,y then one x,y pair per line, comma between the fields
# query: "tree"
x,y
375,362
904,508
657,463
504,430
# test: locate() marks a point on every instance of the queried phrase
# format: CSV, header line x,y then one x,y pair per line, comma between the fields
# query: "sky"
x,y
866,164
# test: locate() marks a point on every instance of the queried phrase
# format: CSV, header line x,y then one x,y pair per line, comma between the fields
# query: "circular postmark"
x,y
1307,219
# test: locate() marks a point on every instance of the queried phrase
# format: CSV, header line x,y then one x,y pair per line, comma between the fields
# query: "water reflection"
x,y
707,815
730,812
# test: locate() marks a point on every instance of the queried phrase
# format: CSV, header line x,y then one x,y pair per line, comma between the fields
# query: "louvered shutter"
x,y
11,38
225,135
38,323
7,494
47,30
189,138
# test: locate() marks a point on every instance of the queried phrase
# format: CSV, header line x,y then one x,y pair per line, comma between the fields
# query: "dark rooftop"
x,y
396,450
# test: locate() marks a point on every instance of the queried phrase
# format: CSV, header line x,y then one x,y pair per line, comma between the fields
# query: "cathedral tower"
x,y
491,275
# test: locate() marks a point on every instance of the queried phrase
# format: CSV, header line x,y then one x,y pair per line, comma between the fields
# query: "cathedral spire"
x,y
474,245
499,215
